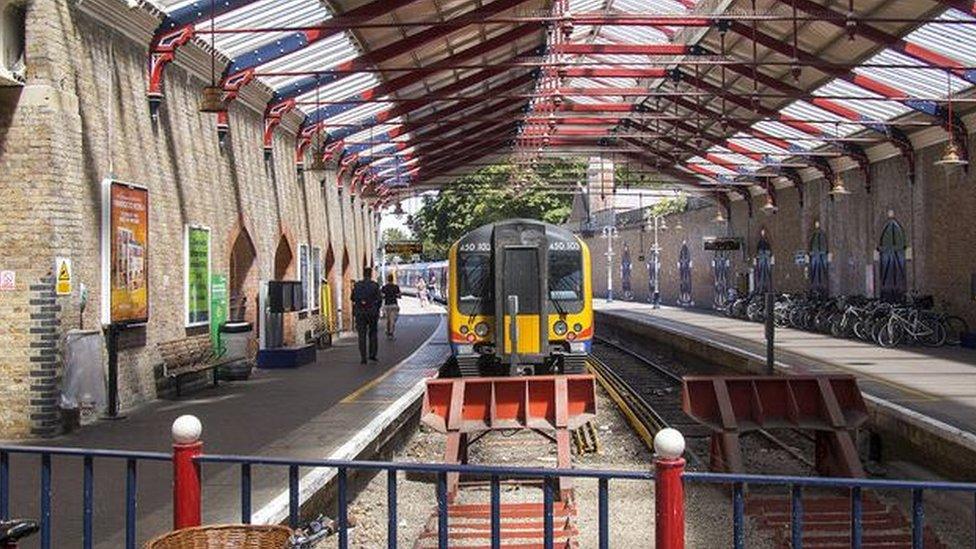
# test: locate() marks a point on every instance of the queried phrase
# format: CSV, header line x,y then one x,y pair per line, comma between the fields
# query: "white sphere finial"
x,y
187,429
669,443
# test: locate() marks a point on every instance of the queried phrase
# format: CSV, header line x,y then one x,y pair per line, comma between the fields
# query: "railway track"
x,y
649,395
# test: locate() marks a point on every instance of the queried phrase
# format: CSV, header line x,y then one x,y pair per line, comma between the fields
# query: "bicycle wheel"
x,y
889,334
934,334
839,327
955,327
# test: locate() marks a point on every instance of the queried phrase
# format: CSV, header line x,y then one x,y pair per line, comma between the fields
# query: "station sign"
x,y
403,248
722,243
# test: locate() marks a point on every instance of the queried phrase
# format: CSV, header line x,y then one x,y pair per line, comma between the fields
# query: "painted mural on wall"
x,y
892,272
763,270
721,268
684,273
626,266
818,267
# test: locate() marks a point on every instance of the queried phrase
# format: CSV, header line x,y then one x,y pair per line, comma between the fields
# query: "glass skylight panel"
x,y
871,110
577,6
736,158
807,111
344,88
264,13
327,53
709,165
358,113
755,144
801,140
957,42
373,133
918,83
634,35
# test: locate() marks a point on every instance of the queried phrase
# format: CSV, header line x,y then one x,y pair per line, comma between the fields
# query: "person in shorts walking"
x,y
391,305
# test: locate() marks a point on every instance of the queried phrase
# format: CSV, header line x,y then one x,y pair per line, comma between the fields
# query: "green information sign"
x,y
218,306
197,276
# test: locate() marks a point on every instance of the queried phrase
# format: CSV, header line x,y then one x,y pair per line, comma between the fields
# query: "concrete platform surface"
x,y
309,412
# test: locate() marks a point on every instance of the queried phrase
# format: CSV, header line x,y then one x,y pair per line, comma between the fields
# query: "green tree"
x,y
394,233
502,191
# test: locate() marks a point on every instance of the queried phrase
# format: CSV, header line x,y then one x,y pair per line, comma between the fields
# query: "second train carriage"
x,y
520,300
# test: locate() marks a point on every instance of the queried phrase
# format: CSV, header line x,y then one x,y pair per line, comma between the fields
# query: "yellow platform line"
x,y
370,384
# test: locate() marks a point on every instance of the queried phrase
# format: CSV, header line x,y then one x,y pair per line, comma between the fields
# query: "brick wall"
x,y
83,117
935,213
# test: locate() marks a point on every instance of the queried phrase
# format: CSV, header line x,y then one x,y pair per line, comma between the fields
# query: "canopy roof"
x,y
710,92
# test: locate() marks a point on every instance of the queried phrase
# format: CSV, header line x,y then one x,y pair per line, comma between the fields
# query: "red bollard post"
x,y
669,492
186,472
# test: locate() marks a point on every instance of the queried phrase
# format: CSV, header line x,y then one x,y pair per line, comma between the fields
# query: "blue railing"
x,y
88,486
855,486
548,477
246,464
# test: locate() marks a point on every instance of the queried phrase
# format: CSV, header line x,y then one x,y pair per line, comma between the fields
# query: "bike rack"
x,y
829,405
465,408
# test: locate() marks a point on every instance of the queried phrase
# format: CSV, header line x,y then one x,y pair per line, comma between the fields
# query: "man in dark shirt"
x,y
391,307
366,309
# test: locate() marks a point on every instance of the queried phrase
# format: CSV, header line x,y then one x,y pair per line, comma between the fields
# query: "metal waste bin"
x,y
237,339
83,381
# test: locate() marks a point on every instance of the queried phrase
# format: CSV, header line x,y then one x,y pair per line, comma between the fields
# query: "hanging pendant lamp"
x,y
317,170
212,100
838,188
951,158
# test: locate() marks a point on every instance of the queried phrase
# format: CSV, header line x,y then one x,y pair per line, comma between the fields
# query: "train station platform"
x,y
334,408
923,397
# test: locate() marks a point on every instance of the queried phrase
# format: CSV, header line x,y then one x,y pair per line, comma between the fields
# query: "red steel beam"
x,y
623,49
879,36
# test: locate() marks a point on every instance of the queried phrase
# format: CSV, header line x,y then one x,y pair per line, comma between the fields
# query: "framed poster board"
x,y
303,276
196,275
125,253
316,278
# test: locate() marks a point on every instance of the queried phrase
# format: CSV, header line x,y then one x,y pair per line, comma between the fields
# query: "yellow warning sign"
x,y
64,280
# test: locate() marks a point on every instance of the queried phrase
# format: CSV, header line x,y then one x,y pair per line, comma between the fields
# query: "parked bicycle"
x,y
912,322
12,531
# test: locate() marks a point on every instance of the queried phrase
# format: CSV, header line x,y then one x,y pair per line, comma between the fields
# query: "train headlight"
x,y
464,330
560,327
571,336
481,329
577,327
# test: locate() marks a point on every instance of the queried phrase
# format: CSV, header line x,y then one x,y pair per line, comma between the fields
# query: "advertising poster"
x,y
218,308
197,261
125,246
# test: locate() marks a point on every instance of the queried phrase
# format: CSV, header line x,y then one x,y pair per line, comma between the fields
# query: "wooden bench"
x,y
189,355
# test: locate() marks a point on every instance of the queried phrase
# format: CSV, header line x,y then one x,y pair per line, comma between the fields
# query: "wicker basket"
x,y
241,536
